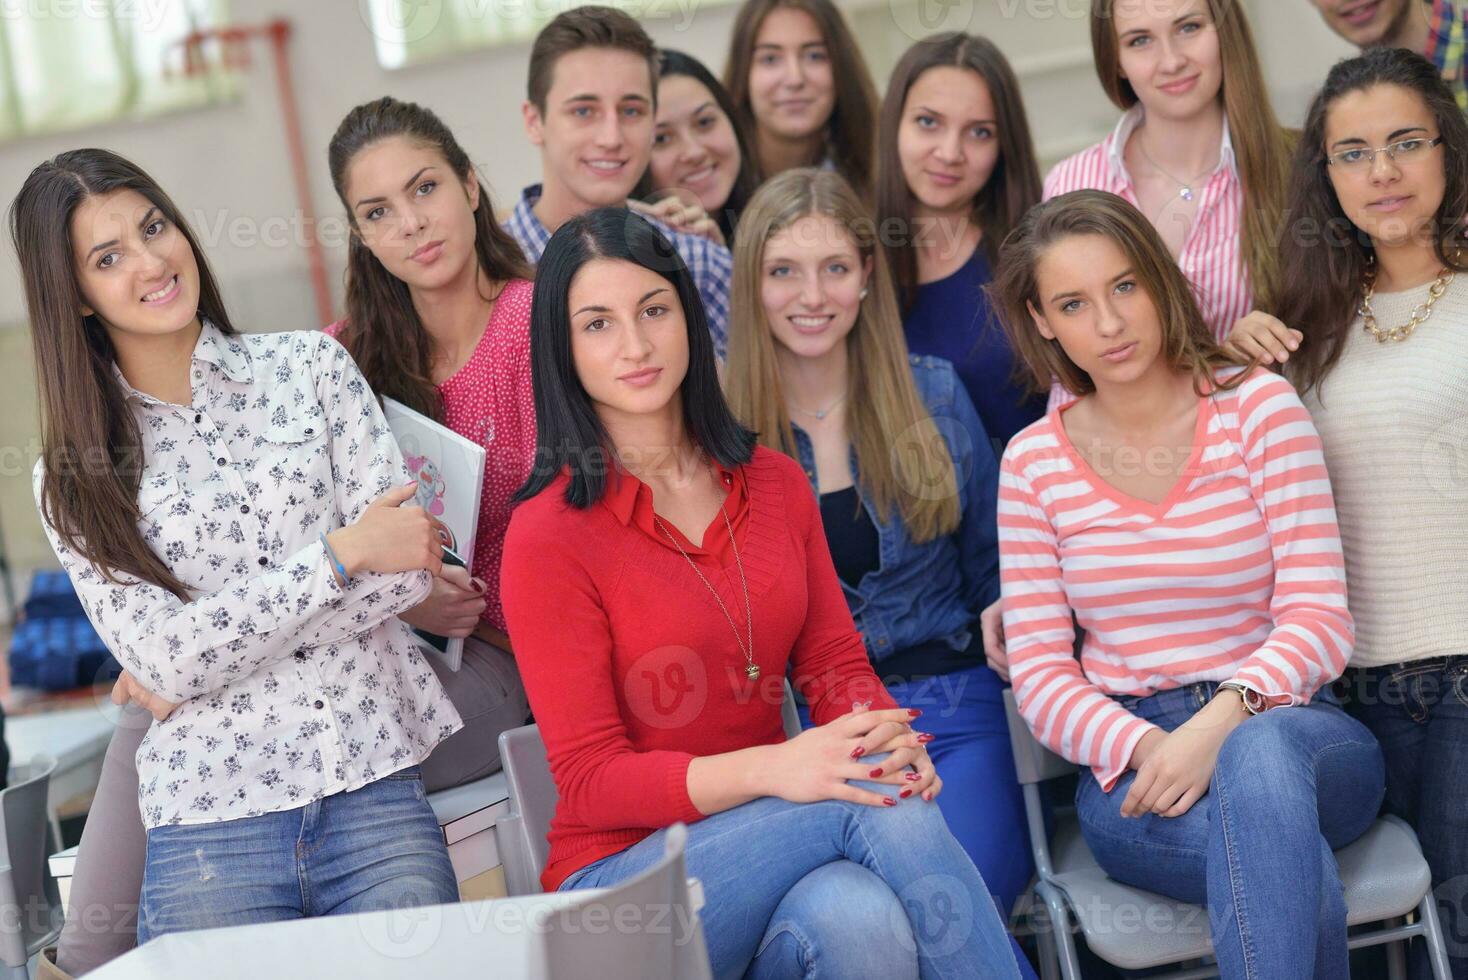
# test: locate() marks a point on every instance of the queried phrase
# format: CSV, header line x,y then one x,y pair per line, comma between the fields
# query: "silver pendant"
x,y
1186,193
753,671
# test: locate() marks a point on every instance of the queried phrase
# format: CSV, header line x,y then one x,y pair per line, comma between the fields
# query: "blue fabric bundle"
x,y
55,647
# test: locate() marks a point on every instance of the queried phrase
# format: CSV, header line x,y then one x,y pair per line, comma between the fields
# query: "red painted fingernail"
x,y
928,797
914,712
905,793
858,752
925,738
888,801
875,773
912,777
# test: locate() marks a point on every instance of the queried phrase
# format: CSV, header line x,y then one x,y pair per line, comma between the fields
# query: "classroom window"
x,y
65,64
411,32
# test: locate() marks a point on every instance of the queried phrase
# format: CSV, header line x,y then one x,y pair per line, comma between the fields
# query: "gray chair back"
x,y
643,927
1033,763
30,909
788,712
521,834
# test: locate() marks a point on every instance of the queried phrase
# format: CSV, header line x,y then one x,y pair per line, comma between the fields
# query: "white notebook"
x,y
450,473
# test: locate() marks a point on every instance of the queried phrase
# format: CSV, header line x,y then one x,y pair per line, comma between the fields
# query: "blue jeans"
x,y
833,889
1290,786
377,847
1419,713
981,800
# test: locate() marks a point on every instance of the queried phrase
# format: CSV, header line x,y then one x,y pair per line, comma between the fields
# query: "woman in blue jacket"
x,y
906,477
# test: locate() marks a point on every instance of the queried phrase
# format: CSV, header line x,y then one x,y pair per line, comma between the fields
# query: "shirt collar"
x,y
225,352
213,347
1128,124
526,226
630,500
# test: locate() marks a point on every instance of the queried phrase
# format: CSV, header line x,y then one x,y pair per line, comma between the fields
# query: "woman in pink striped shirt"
x,y
1179,509
1197,136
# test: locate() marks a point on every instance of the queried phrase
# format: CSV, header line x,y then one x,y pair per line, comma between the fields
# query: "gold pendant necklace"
x,y
751,669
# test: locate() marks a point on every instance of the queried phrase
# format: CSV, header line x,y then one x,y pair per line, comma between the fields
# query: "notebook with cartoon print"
x,y
450,473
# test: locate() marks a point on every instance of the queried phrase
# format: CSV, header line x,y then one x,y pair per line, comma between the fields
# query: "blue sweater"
x,y
951,318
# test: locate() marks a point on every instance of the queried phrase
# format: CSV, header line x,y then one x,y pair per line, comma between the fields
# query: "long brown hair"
x,y
383,331
1014,186
850,132
1325,257
1187,343
91,446
1262,147
903,459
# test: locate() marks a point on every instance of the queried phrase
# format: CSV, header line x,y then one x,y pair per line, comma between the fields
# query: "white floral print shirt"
x,y
291,687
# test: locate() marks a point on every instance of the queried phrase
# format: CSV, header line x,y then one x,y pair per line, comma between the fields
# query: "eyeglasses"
x,y
1364,158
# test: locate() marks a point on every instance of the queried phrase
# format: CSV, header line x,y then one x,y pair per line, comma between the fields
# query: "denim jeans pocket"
x,y
412,772
1416,687
1165,709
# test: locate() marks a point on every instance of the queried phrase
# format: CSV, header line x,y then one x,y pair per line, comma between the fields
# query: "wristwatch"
x,y
1252,700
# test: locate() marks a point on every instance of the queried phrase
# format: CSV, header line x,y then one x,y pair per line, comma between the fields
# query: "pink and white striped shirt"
x,y
1237,574
1211,255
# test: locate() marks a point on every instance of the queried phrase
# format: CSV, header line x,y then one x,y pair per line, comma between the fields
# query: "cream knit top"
x,y
1393,418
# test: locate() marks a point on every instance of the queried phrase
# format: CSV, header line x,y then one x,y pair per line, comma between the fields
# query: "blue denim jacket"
x,y
936,590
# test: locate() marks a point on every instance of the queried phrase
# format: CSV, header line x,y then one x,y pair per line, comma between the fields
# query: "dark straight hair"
x,y
91,446
383,331
1013,188
569,435
672,62
1325,276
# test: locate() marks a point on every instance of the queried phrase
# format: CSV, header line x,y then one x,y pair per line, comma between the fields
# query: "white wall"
x,y
227,166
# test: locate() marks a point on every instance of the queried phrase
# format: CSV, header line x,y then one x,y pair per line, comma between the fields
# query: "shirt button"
x,y
244,508
264,560
310,431
198,417
300,657
320,705
221,461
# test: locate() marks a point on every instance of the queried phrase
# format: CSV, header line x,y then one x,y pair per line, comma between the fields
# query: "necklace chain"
x,y
1186,192
1420,314
819,413
750,667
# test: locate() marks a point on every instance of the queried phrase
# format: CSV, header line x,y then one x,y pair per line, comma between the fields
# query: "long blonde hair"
x,y
1262,147
903,459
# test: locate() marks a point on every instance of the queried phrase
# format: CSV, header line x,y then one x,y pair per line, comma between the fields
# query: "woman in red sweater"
x,y
660,578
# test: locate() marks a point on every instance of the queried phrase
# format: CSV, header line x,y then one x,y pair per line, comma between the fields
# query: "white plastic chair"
x,y
521,833
643,927
30,907
1386,880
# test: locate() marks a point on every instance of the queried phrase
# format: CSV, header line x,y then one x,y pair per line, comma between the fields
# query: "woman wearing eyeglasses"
x,y
1379,300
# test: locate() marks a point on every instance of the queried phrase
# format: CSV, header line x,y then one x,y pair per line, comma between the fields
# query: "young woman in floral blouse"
x,y
228,509
438,318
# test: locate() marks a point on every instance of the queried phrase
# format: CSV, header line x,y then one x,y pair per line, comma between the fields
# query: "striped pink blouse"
x,y
1237,574
1211,254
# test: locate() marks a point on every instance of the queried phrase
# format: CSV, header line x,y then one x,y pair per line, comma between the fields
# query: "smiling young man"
x,y
590,108
1435,28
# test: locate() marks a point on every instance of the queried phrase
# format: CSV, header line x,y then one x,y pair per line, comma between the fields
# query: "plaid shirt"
x,y
708,262
1447,25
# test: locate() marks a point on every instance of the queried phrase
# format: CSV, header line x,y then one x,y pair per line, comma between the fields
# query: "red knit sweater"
x,y
631,668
